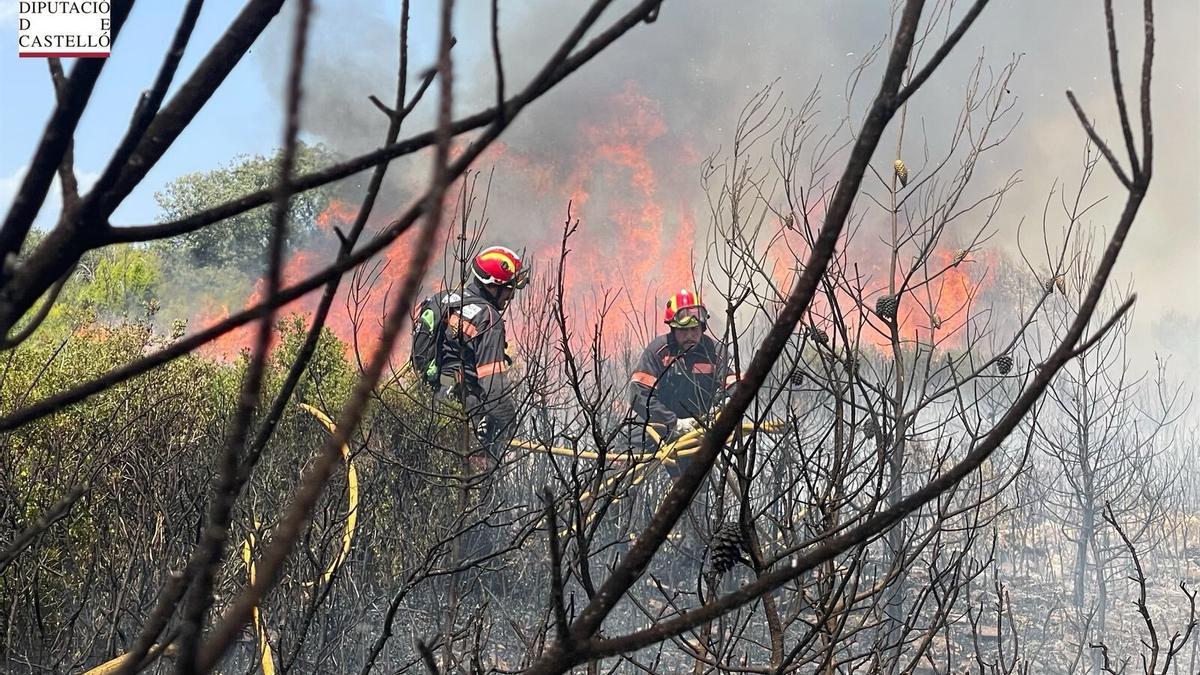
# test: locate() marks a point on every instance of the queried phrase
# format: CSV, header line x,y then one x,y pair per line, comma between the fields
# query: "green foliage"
x,y
139,442
328,378
122,281
147,451
239,243
109,285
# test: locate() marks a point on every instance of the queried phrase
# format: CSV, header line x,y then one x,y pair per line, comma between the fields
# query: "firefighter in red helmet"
x,y
681,374
466,358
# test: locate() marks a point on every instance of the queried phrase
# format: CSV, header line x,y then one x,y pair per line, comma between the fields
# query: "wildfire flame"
x,y
230,345
933,309
356,315
636,236
336,214
624,180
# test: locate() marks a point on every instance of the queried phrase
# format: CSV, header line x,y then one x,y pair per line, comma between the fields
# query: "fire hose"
x,y
266,659
260,627
643,464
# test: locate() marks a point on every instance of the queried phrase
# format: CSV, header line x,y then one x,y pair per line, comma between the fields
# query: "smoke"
x,y
671,93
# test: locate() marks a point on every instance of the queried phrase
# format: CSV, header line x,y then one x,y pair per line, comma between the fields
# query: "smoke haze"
x,y
673,90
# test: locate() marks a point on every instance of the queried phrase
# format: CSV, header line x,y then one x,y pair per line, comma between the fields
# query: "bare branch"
x,y
1118,90
61,509
1103,330
148,104
1091,132
556,570
210,552
66,169
56,139
942,52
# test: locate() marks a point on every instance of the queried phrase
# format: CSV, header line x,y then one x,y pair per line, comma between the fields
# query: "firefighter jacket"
x,y
668,383
473,355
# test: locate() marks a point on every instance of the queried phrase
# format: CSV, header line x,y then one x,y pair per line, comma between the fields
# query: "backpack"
x,y
428,337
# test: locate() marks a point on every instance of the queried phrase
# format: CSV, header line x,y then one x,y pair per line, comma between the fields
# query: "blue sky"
x,y
243,116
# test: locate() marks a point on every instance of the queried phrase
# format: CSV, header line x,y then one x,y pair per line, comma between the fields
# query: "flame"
x,y
934,309
337,213
362,302
356,315
229,346
624,179
938,311
635,235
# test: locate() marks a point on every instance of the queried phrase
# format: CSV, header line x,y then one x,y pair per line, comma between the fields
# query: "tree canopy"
x,y
240,243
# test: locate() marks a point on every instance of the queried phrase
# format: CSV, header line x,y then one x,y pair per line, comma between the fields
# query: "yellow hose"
x,y
110,666
266,661
260,629
352,508
686,445
116,663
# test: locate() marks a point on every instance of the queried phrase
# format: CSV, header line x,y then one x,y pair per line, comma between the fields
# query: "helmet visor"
x,y
689,317
520,279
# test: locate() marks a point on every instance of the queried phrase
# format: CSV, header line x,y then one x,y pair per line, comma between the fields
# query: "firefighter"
x,y
682,374
472,365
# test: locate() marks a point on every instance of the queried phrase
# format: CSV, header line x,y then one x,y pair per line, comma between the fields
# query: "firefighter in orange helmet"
x,y
681,374
471,364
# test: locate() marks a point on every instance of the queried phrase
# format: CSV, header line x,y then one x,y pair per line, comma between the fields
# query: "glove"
x,y
653,434
479,463
483,431
685,424
722,397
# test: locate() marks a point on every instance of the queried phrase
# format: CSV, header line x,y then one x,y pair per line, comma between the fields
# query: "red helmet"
x,y
685,309
500,266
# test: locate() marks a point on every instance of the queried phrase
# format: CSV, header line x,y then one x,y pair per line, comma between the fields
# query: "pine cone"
x,y
796,377
886,306
819,335
959,257
901,172
935,322
1049,285
870,428
1004,363
725,548
1060,283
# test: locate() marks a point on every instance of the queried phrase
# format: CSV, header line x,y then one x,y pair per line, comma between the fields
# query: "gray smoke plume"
x,y
674,90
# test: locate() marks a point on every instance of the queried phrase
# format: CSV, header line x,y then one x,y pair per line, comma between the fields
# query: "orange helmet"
x,y
685,309
500,266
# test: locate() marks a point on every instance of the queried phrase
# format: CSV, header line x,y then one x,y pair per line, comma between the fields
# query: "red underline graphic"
x,y
68,55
